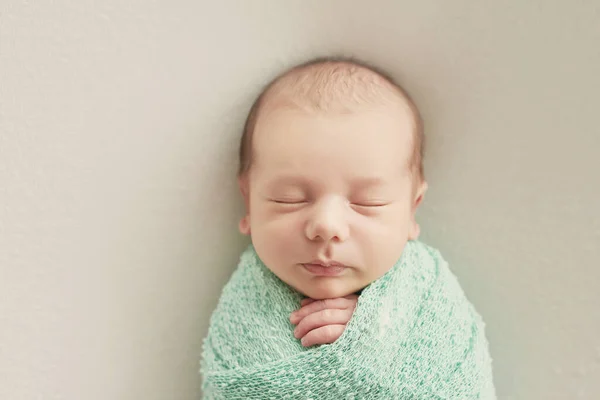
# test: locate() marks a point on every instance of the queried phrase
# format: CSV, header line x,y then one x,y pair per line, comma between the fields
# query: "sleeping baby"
x,y
336,298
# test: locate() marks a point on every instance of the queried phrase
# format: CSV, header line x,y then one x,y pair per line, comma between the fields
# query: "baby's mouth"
x,y
320,268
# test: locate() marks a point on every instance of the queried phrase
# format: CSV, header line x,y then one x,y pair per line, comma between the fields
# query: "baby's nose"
x,y
328,222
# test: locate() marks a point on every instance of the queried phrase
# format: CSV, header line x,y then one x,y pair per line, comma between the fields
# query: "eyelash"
x,y
295,203
369,205
288,202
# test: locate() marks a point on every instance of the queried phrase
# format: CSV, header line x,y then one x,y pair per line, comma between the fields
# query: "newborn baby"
x,y
336,298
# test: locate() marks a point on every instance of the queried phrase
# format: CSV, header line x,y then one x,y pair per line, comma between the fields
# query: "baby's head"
x,y
331,174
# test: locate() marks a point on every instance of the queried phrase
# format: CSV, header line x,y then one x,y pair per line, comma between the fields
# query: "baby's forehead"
x,y
364,142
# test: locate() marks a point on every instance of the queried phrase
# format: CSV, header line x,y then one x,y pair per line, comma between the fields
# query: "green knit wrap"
x,y
413,335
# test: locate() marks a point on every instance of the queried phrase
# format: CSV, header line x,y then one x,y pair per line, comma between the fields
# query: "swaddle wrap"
x,y
413,335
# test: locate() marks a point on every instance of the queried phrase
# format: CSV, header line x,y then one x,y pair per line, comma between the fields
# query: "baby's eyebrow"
x,y
367,182
287,180
299,180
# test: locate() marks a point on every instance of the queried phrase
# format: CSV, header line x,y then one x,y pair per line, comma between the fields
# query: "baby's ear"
x,y
415,230
244,224
419,194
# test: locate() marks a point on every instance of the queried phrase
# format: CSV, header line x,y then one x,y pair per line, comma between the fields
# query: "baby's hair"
x,y
332,82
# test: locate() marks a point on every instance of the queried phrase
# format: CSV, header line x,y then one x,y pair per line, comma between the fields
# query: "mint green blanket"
x,y
413,335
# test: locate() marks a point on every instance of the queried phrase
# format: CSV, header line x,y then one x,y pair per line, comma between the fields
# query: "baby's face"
x,y
331,197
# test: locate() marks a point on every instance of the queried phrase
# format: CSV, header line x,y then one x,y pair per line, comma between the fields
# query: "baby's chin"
x,y
329,289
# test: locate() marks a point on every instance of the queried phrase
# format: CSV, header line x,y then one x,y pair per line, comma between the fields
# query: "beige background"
x,y
119,123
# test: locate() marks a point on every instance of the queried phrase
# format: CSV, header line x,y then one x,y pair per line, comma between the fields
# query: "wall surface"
x,y
119,123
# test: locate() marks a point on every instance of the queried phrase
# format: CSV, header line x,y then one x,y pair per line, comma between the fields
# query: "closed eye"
x,y
290,202
368,209
371,205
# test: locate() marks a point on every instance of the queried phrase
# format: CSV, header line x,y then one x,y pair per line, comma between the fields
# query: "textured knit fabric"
x,y
413,335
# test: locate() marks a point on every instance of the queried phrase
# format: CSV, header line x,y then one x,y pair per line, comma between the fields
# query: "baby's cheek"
x,y
283,228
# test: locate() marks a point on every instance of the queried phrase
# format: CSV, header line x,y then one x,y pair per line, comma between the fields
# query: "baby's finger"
x,y
306,301
322,318
339,303
293,319
324,335
353,297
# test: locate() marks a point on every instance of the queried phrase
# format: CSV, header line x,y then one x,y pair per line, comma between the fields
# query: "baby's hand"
x,y
322,321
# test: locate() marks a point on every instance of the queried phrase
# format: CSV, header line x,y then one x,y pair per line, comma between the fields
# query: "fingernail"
x,y
296,333
303,341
